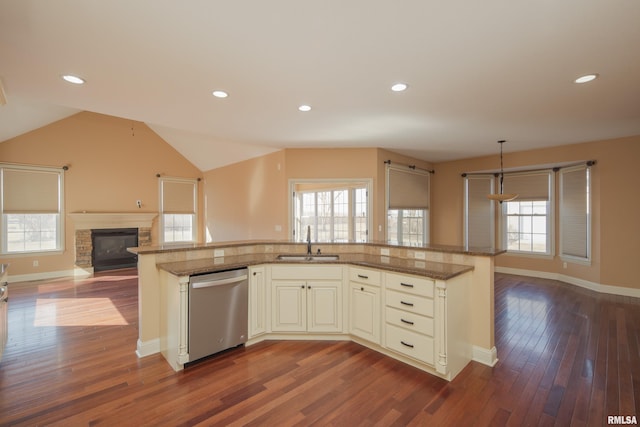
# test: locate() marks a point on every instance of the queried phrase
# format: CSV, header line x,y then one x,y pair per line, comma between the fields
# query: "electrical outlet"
x,y
384,251
419,255
217,253
564,265
36,263
278,228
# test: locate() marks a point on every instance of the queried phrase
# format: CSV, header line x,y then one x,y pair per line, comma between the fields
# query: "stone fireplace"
x,y
88,224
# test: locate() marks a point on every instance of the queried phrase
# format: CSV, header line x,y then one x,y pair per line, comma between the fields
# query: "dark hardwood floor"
x,y
568,356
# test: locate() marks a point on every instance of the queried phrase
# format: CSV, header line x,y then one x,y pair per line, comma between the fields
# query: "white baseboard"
x,y
485,356
148,348
597,287
41,276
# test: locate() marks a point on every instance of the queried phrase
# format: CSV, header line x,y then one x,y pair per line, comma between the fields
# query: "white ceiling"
x,y
478,71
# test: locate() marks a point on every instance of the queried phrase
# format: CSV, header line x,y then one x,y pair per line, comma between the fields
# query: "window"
x,y
336,212
527,226
479,212
178,204
407,205
407,226
575,214
526,221
31,206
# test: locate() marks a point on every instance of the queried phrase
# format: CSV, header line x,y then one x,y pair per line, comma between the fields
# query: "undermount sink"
x,y
308,257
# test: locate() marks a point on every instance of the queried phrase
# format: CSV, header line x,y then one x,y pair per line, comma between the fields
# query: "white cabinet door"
x,y
289,306
257,302
324,305
364,311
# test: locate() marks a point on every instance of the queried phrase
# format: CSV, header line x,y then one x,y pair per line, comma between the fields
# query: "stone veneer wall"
x,y
84,247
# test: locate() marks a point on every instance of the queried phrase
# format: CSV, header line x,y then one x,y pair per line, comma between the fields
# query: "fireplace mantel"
x,y
95,220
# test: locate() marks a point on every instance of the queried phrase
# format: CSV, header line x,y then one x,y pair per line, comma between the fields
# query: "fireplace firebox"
x,y
110,248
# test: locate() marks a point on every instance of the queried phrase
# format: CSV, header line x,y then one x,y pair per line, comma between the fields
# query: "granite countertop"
x,y
474,251
434,270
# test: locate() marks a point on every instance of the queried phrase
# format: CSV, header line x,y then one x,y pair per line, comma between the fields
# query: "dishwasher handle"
x,y
220,282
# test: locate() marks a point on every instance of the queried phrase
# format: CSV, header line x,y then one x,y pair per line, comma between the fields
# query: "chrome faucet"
x,y
308,240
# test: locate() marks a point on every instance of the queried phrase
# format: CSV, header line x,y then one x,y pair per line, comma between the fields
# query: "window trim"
x,y
589,196
60,222
490,178
161,222
551,220
427,214
339,183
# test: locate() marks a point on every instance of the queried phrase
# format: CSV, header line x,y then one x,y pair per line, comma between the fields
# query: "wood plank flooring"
x,y
568,356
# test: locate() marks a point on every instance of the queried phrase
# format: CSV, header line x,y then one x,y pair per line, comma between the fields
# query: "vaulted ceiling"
x,y
476,72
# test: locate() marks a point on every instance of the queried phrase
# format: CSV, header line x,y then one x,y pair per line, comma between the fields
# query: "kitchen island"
x,y
439,263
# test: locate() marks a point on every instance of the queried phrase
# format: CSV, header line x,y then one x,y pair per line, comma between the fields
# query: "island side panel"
x,y
482,311
148,306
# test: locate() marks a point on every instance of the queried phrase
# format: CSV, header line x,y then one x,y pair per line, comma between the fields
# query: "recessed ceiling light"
x,y
399,87
73,79
219,94
586,78
304,108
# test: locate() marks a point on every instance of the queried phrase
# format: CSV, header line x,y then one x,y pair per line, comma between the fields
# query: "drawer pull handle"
x,y
363,276
406,303
406,345
408,285
408,322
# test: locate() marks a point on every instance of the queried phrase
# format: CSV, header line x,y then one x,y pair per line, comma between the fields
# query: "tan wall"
x,y
248,199
111,166
615,228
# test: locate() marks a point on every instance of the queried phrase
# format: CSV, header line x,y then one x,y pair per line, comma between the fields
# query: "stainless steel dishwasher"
x,y
218,310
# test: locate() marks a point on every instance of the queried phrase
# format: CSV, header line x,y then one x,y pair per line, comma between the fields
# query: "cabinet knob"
x,y
302,286
308,287
254,273
362,289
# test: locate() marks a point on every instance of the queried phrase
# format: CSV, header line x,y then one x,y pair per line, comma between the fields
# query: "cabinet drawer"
x,y
409,321
411,303
364,275
410,284
416,346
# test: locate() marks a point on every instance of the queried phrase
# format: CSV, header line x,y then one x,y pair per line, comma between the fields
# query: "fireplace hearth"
x,y
109,248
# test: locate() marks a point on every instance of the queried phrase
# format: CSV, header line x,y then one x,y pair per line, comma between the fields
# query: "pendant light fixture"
x,y
501,197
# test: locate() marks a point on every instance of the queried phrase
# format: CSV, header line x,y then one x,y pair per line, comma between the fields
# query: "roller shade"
x,y
528,186
30,191
178,197
408,189
479,212
574,213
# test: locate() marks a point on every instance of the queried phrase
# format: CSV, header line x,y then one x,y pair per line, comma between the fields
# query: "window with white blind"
x,y
178,206
575,214
32,209
479,212
527,220
407,205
